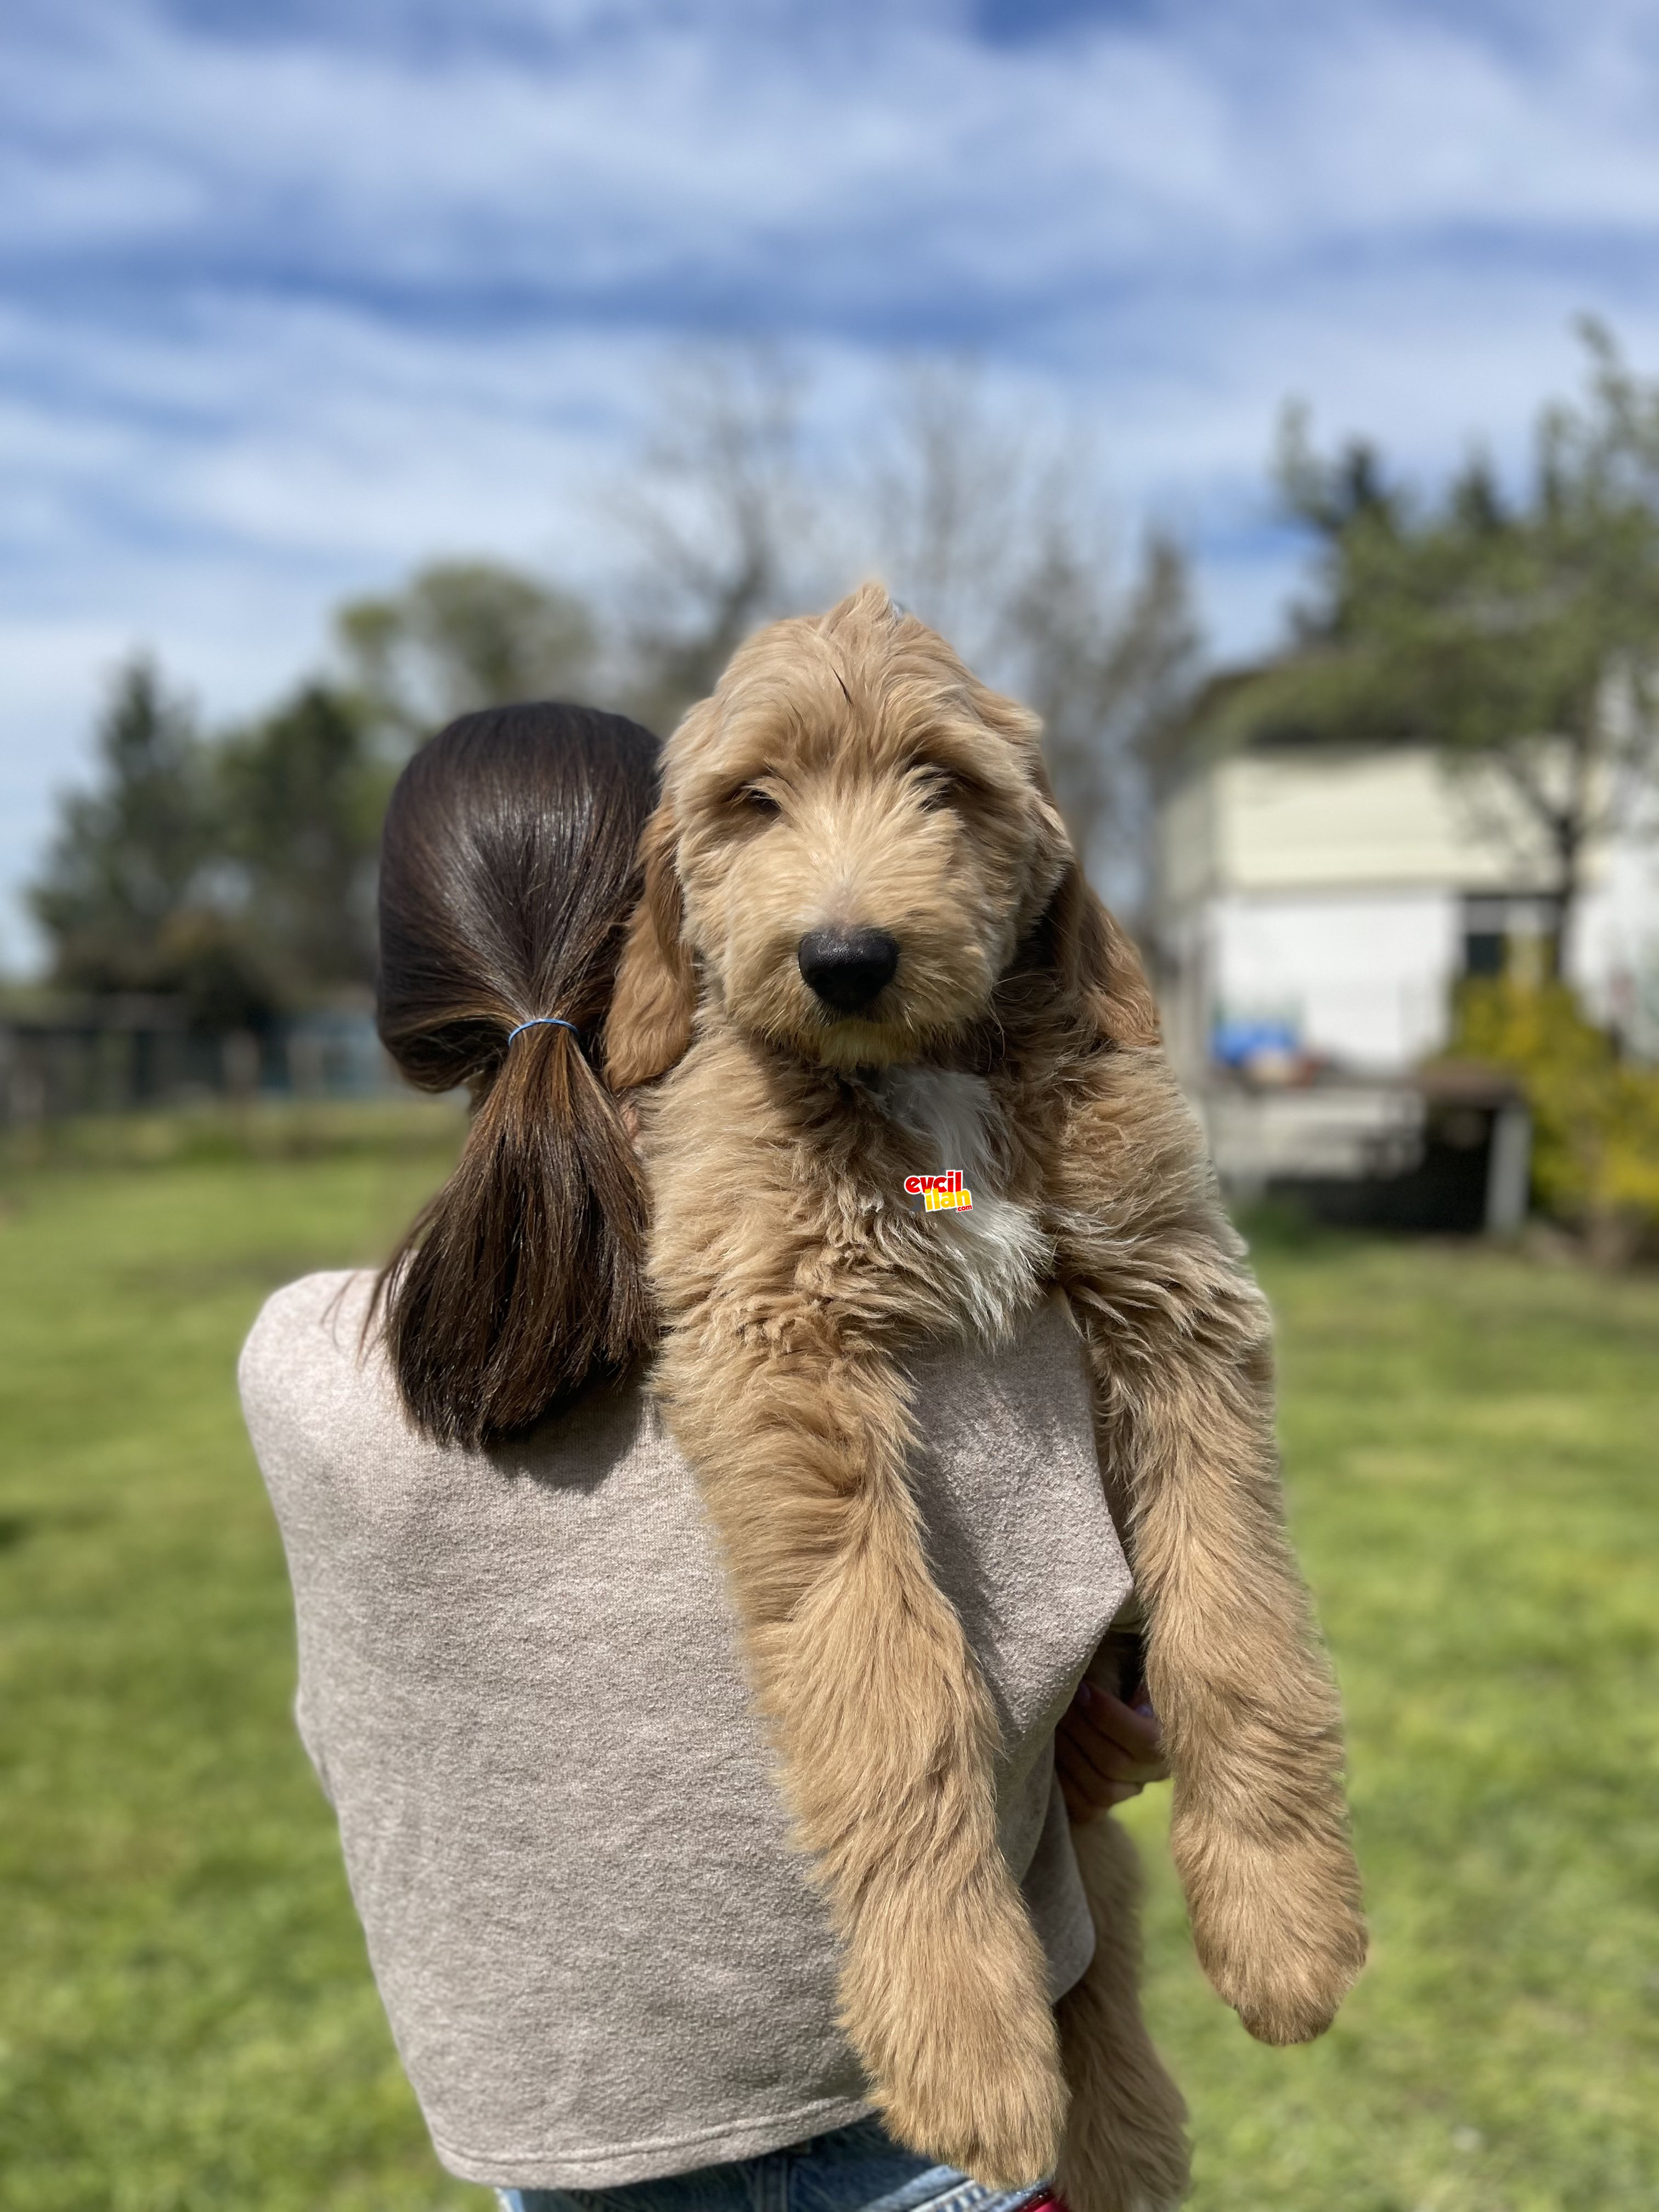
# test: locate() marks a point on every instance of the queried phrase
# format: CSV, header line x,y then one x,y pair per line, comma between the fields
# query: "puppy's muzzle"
x,y
846,968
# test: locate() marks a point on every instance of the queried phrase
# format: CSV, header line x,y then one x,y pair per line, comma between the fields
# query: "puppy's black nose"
x,y
846,966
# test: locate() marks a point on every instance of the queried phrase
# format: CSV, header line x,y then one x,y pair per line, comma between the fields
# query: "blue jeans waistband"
x,y
853,2169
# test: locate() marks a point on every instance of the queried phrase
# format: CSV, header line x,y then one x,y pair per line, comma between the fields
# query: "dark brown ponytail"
x,y
507,871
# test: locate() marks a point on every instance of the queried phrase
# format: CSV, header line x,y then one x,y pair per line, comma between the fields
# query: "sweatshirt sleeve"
x,y
284,1375
311,1740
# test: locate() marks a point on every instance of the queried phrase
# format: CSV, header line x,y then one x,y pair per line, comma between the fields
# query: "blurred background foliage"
x,y
235,871
234,868
1595,1115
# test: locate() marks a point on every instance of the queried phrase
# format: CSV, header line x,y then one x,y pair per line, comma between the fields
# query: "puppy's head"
x,y
854,837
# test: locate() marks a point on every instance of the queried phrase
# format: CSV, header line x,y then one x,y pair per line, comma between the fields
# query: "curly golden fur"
x,y
849,772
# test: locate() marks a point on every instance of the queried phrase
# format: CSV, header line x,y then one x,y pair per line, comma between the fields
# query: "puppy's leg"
x,y
1179,1340
887,1737
1250,1712
1125,2141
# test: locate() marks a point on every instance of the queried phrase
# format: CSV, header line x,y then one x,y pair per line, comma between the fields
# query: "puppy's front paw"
x,y
997,2121
1276,1921
948,2009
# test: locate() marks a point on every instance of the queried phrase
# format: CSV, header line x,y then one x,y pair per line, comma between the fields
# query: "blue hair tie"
x,y
544,1021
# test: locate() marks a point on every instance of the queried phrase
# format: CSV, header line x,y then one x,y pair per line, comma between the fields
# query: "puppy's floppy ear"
x,y
649,1025
1096,964
1088,955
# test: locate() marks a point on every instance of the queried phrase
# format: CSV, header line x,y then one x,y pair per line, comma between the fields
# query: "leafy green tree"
x,y
463,635
1520,636
300,795
125,896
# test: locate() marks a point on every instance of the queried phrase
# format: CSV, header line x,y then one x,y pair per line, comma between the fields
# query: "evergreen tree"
x,y
1520,637
125,893
300,796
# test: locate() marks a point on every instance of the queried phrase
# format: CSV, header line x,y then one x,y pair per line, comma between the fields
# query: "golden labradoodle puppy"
x,y
864,937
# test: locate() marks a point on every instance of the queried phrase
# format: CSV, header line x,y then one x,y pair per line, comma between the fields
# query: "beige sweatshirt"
x,y
520,1684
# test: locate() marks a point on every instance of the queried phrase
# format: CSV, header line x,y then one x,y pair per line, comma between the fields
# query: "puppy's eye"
x,y
754,799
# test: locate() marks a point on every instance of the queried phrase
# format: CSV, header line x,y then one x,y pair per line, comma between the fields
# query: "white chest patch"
x,y
993,1253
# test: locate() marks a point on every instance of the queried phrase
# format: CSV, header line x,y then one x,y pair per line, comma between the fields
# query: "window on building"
x,y
1510,934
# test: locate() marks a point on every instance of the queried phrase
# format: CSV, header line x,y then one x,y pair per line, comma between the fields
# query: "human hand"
x,y
1106,1751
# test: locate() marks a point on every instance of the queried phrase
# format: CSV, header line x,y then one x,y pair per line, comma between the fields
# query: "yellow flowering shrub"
x,y
1596,1117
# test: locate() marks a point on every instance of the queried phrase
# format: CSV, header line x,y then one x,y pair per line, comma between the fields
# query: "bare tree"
x,y
723,524
998,534
1110,672
1002,536
948,502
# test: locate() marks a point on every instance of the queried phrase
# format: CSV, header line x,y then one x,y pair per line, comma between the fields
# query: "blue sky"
x,y
294,295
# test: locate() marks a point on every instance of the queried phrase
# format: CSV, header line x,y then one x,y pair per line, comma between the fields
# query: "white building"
x,y
1320,904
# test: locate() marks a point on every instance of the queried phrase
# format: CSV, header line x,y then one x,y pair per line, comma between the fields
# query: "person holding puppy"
x,y
607,1972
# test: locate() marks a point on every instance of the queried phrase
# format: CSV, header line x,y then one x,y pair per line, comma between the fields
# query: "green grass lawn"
x,y
1472,1444
186,2019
